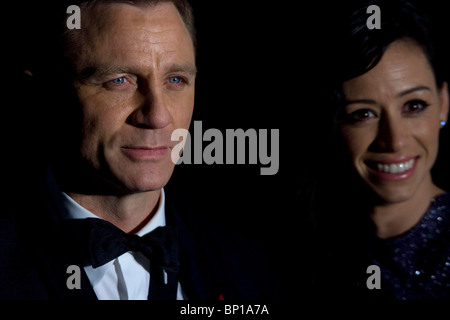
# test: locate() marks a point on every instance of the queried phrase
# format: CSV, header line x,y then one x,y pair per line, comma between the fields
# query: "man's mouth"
x,y
142,152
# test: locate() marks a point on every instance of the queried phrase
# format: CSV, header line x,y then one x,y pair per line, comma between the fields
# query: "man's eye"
x,y
120,80
175,80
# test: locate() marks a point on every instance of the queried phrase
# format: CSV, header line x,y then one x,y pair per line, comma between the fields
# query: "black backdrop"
x,y
262,65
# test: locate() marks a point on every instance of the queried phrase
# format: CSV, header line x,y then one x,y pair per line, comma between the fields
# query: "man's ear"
x,y
444,102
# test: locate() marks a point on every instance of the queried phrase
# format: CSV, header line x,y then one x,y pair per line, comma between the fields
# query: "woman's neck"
x,y
393,219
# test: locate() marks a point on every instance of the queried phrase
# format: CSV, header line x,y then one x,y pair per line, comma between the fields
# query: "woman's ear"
x,y
444,102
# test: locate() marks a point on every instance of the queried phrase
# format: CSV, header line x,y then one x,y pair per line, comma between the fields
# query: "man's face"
x,y
135,83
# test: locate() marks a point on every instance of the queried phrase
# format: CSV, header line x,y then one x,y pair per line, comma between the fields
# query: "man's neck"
x,y
129,213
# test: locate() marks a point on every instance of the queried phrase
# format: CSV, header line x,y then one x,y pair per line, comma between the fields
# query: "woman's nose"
x,y
392,134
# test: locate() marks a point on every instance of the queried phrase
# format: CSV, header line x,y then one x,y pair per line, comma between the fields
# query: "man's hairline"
x,y
87,8
76,41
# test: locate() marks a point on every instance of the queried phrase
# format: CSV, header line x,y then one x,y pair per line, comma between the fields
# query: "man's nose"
x,y
153,111
392,134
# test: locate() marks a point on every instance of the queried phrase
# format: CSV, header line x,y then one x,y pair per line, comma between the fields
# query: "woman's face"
x,y
391,123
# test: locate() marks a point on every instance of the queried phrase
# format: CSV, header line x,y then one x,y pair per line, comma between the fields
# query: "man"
x,y
130,72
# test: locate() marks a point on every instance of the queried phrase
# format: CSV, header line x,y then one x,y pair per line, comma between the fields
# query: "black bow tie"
x,y
107,242
103,242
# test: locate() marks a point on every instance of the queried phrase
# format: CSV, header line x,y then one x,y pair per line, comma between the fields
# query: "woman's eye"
x,y
415,106
361,115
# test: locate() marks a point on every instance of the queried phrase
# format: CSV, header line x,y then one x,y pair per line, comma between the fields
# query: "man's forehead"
x,y
129,33
107,16
140,46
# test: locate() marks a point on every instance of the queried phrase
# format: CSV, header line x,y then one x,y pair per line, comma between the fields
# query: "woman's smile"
x,y
392,169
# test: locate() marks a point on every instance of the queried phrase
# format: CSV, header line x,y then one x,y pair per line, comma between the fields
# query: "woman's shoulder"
x,y
441,203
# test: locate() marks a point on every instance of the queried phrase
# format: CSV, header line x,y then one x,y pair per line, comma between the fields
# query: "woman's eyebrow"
x,y
401,94
408,91
363,101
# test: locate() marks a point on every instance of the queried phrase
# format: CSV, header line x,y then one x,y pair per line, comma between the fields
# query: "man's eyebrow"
x,y
187,68
101,72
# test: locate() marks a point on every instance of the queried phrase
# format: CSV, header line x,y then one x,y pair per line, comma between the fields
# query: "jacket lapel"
x,y
54,251
199,273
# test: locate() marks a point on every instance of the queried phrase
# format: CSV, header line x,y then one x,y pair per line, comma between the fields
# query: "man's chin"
x,y
146,183
135,178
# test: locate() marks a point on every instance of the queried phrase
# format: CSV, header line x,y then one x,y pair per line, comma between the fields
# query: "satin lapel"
x,y
54,252
61,280
197,276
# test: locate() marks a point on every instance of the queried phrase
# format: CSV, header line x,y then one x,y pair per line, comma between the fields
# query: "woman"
x,y
392,104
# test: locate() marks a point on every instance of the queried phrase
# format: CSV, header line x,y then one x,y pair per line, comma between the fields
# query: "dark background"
x,y
252,75
268,65
262,65
256,63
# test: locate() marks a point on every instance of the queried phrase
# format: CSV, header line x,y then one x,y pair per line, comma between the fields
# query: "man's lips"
x,y
142,152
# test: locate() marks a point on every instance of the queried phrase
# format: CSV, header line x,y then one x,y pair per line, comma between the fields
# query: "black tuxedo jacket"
x,y
35,254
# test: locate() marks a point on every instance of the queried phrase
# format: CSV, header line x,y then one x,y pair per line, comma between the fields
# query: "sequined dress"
x,y
416,264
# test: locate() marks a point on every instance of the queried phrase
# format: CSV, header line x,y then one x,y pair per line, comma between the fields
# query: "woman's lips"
x,y
393,169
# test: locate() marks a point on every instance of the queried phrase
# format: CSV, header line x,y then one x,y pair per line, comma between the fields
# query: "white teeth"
x,y
395,167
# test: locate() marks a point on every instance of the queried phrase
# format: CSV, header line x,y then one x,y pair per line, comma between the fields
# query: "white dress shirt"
x,y
126,277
